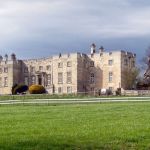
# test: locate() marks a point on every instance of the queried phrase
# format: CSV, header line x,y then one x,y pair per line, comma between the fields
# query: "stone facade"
x,y
70,73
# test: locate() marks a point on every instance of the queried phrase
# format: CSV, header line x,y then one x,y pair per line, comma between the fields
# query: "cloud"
x,y
51,26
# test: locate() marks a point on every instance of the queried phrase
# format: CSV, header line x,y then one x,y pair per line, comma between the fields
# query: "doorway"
x,y
39,80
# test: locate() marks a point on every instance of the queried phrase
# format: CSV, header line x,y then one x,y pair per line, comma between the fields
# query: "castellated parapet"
x,y
68,73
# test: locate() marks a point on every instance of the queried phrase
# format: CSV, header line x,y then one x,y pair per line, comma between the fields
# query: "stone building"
x,y
68,73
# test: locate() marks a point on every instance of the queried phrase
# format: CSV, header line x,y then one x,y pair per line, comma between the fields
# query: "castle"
x,y
69,73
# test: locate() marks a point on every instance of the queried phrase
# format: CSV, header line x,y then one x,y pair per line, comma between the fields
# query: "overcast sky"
x,y
38,28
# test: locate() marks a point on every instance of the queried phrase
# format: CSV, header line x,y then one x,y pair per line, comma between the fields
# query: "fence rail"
x,y
73,95
136,93
73,101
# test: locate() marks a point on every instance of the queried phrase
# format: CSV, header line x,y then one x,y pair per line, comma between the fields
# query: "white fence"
x,y
136,93
74,101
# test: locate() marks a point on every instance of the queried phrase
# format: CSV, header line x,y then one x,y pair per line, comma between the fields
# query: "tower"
x,y
101,49
6,57
1,58
93,49
13,57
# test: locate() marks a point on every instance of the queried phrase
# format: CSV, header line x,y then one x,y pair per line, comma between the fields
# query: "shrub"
x,y
109,92
19,88
13,87
118,92
36,89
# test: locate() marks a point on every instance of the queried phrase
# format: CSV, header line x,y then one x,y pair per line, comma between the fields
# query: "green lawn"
x,y
54,96
43,96
108,126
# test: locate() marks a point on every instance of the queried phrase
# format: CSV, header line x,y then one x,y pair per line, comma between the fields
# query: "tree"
x,y
146,61
144,82
19,89
131,77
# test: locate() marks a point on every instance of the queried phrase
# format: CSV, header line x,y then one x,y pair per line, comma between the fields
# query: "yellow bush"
x,y
36,89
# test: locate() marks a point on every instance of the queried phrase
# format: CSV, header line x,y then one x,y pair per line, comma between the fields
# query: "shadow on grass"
x,y
45,144
68,143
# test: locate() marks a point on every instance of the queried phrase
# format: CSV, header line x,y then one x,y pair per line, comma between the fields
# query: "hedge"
x,y
19,89
13,87
36,89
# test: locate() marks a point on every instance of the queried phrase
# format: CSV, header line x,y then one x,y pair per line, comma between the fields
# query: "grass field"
x,y
43,96
107,126
48,96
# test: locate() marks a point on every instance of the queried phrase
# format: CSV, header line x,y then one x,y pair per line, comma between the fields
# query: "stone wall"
x,y
79,72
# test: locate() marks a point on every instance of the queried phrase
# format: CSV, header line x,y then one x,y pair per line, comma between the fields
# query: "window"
x,y
84,64
68,55
110,62
26,80
69,64
92,89
32,69
60,90
33,80
6,70
59,55
110,53
40,68
92,78
92,64
101,54
25,69
0,82
133,63
1,70
69,89
111,89
60,78
69,77
49,79
60,65
110,76
6,81
48,68
126,62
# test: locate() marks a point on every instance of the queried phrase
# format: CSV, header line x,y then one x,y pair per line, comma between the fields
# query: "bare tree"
x,y
131,77
146,60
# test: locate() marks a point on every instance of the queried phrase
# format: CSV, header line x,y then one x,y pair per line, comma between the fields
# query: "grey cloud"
x,y
31,27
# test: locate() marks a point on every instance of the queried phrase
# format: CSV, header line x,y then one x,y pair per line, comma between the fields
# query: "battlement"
x,y
67,73
129,54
